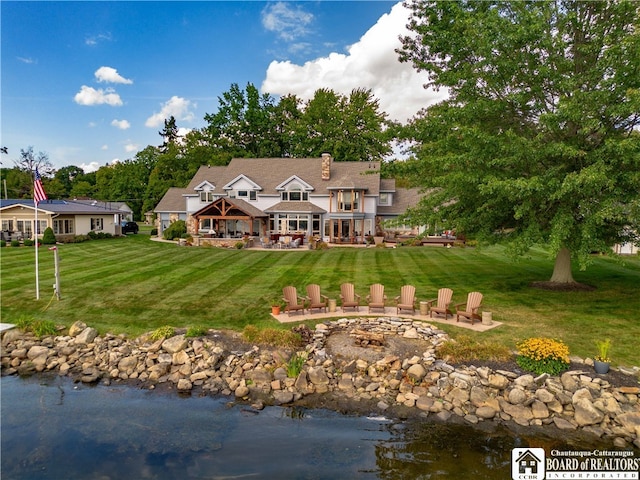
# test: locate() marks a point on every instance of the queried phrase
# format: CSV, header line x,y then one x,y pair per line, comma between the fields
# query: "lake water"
x,y
55,429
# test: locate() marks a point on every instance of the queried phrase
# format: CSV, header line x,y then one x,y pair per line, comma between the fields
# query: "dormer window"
x,y
295,194
206,196
384,199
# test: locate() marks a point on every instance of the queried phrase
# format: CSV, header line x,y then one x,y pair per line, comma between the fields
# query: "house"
x,y
338,202
66,218
126,214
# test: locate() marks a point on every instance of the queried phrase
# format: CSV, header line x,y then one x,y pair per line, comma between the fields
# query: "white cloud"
x,y
179,107
289,22
91,96
95,39
90,167
131,147
104,147
27,60
110,75
370,63
121,124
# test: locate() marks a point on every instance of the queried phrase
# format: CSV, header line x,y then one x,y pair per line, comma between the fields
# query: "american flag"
x,y
38,190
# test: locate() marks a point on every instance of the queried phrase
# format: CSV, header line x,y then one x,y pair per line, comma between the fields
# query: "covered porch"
x,y
226,219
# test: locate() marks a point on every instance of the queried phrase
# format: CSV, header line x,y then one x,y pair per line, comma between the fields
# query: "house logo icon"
x,y
527,463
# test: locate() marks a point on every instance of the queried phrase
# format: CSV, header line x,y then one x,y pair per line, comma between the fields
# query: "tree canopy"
x,y
538,140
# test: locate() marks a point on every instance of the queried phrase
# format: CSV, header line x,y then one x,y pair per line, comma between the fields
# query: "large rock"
x,y
87,336
416,372
175,344
586,413
318,376
37,351
498,381
630,422
76,328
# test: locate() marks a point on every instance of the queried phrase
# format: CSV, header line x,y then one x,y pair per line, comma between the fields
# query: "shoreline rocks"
x,y
421,385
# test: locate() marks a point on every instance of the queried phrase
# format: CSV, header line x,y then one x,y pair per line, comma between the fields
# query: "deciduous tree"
x,y
536,142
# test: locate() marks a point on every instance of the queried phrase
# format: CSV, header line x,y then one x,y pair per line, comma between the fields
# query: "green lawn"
x,y
131,285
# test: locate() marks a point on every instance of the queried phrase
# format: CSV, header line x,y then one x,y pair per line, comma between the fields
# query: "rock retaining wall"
x,y
425,384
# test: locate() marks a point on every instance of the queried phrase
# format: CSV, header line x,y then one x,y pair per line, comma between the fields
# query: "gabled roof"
x,y
403,198
173,201
268,173
122,206
295,207
59,207
241,205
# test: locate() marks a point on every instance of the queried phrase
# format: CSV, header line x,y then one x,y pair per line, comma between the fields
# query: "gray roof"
x,y
403,198
173,201
295,207
122,206
60,207
271,172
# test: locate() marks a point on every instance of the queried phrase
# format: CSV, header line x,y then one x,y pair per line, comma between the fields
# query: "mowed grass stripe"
x,y
134,284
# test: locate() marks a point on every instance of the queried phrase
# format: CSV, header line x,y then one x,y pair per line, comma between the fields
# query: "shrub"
x,y
3,243
271,336
40,328
543,355
465,348
154,232
15,243
295,364
163,332
239,245
175,230
28,242
196,332
48,237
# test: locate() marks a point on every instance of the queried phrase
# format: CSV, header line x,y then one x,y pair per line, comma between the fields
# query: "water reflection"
x,y
52,428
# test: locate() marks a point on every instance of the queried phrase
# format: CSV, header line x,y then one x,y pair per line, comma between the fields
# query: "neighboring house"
x,y
126,214
66,218
339,202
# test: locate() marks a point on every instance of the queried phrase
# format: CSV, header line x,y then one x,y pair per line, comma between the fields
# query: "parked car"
x,y
129,227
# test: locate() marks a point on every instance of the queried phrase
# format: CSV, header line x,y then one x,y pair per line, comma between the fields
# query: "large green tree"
x,y
536,142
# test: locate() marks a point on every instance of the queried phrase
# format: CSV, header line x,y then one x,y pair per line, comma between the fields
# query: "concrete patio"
x,y
319,316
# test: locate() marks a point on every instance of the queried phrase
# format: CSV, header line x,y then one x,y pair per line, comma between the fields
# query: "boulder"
x,y
175,344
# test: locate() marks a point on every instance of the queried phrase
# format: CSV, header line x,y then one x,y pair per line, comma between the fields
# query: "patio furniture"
x,y
442,303
376,297
315,298
294,302
407,299
348,297
474,299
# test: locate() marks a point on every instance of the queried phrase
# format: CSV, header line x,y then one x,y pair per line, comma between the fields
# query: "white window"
x,y
97,224
206,197
63,227
348,201
295,194
384,199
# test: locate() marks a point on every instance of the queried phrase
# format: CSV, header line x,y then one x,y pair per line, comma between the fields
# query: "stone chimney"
x,y
326,166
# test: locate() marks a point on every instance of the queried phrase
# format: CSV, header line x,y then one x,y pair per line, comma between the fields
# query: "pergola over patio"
x,y
229,218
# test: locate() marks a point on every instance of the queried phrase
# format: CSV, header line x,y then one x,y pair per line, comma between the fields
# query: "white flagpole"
x,y
36,244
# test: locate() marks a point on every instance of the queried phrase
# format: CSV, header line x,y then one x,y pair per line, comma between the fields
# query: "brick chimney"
x,y
326,166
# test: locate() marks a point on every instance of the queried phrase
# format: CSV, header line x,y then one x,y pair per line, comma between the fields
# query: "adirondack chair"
x,y
442,303
348,297
293,301
474,299
376,297
315,298
407,299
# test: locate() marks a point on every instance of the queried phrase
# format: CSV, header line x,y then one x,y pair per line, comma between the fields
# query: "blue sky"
x,y
90,83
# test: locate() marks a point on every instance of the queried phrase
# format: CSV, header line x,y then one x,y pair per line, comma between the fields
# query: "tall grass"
x,y
133,285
